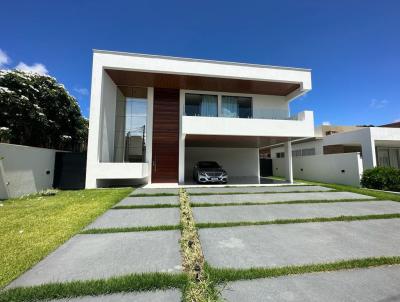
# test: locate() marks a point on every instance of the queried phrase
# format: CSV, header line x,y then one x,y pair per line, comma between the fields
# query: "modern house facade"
x,y
153,117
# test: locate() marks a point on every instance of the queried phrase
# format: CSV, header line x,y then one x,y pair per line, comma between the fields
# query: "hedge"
x,y
382,178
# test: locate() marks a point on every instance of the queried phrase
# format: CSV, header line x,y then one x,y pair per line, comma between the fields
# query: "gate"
x,y
69,170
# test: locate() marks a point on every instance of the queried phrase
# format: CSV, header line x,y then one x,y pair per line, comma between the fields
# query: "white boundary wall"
x,y
345,168
23,170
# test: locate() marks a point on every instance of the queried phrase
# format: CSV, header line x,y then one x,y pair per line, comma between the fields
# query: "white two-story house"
x,y
153,117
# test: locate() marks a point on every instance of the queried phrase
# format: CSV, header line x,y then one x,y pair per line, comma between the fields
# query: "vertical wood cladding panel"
x,y
165,135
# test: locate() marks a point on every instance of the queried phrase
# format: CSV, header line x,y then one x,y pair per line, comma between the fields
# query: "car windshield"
x,y
208,164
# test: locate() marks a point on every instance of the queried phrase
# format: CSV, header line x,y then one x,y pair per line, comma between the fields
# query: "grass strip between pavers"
x,y
132,229
292,221
144,206
198,288
250,193
128,283
223,275
249,203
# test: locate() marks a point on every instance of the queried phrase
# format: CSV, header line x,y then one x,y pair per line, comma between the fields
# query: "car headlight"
x,y
224,173
202,173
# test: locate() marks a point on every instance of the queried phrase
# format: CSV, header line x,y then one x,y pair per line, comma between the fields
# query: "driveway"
x,y
240,228
260,228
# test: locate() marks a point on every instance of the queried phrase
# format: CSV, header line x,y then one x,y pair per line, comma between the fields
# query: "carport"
x,y
238,155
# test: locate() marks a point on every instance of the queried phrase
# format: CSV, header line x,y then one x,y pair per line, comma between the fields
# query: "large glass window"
x,y
131,125
201,105
237,106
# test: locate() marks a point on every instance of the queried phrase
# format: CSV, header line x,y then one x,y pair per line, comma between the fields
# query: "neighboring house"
x,y
378,146
153,117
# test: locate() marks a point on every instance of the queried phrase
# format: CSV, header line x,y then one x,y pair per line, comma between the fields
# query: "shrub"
x,y
382,178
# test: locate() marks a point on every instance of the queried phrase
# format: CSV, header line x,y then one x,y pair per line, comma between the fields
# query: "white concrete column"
x,y
94,139
149,131
288,162
368,152
181,169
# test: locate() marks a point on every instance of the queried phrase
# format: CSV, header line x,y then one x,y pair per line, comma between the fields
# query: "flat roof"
x,y
196,60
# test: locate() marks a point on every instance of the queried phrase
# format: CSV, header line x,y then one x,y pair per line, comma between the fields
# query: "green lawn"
x,y
32,227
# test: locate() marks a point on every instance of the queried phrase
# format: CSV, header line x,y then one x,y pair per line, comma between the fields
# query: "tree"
x,y
39,111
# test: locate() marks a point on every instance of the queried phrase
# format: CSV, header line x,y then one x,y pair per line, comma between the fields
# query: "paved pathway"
x,y
293,211
298,244
150,200
278,197
156,296
99,256
125,218
372,284
265,189
153,191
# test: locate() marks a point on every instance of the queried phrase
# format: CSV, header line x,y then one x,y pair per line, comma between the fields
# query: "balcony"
x,y
276,123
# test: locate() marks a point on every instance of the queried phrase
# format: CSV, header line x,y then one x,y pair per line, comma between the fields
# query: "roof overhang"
x,y
129,69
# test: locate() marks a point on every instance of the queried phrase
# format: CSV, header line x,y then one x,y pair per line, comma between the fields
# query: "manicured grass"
x,y
132,229
128,283
149,206
32,227
222,275
289,221
203,204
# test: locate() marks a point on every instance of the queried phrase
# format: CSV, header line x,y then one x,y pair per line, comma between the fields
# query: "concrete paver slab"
x,y
371,284
275,189
300,243
277,197
171,295
126,218
86,257
150,200
153,191
293,211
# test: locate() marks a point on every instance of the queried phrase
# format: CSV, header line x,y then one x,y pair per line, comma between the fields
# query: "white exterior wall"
x,y
324,168
303,127
317,144
238,162
109,99
23,170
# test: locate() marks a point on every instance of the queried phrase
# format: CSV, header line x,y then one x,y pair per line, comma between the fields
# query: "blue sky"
x,y
352,47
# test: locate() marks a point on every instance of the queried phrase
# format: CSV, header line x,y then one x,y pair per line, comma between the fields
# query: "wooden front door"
x,y
165,157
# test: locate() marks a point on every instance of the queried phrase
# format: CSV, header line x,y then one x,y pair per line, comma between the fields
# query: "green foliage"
x,y
36,110
381,178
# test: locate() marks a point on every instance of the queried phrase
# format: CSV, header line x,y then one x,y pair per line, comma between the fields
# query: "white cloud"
x,y
378,104
397,120
36,68
327,123
82,91
4,59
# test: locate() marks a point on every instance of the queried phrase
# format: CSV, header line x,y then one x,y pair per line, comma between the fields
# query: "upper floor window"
x,y
201,105
237,106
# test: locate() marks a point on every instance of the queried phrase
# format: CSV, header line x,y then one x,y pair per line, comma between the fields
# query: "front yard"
x,y
32,227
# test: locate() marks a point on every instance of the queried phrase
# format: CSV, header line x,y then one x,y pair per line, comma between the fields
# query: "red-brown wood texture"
x,y
165,136
176,81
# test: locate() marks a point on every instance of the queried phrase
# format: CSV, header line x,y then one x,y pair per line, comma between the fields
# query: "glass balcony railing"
x,y
267,113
